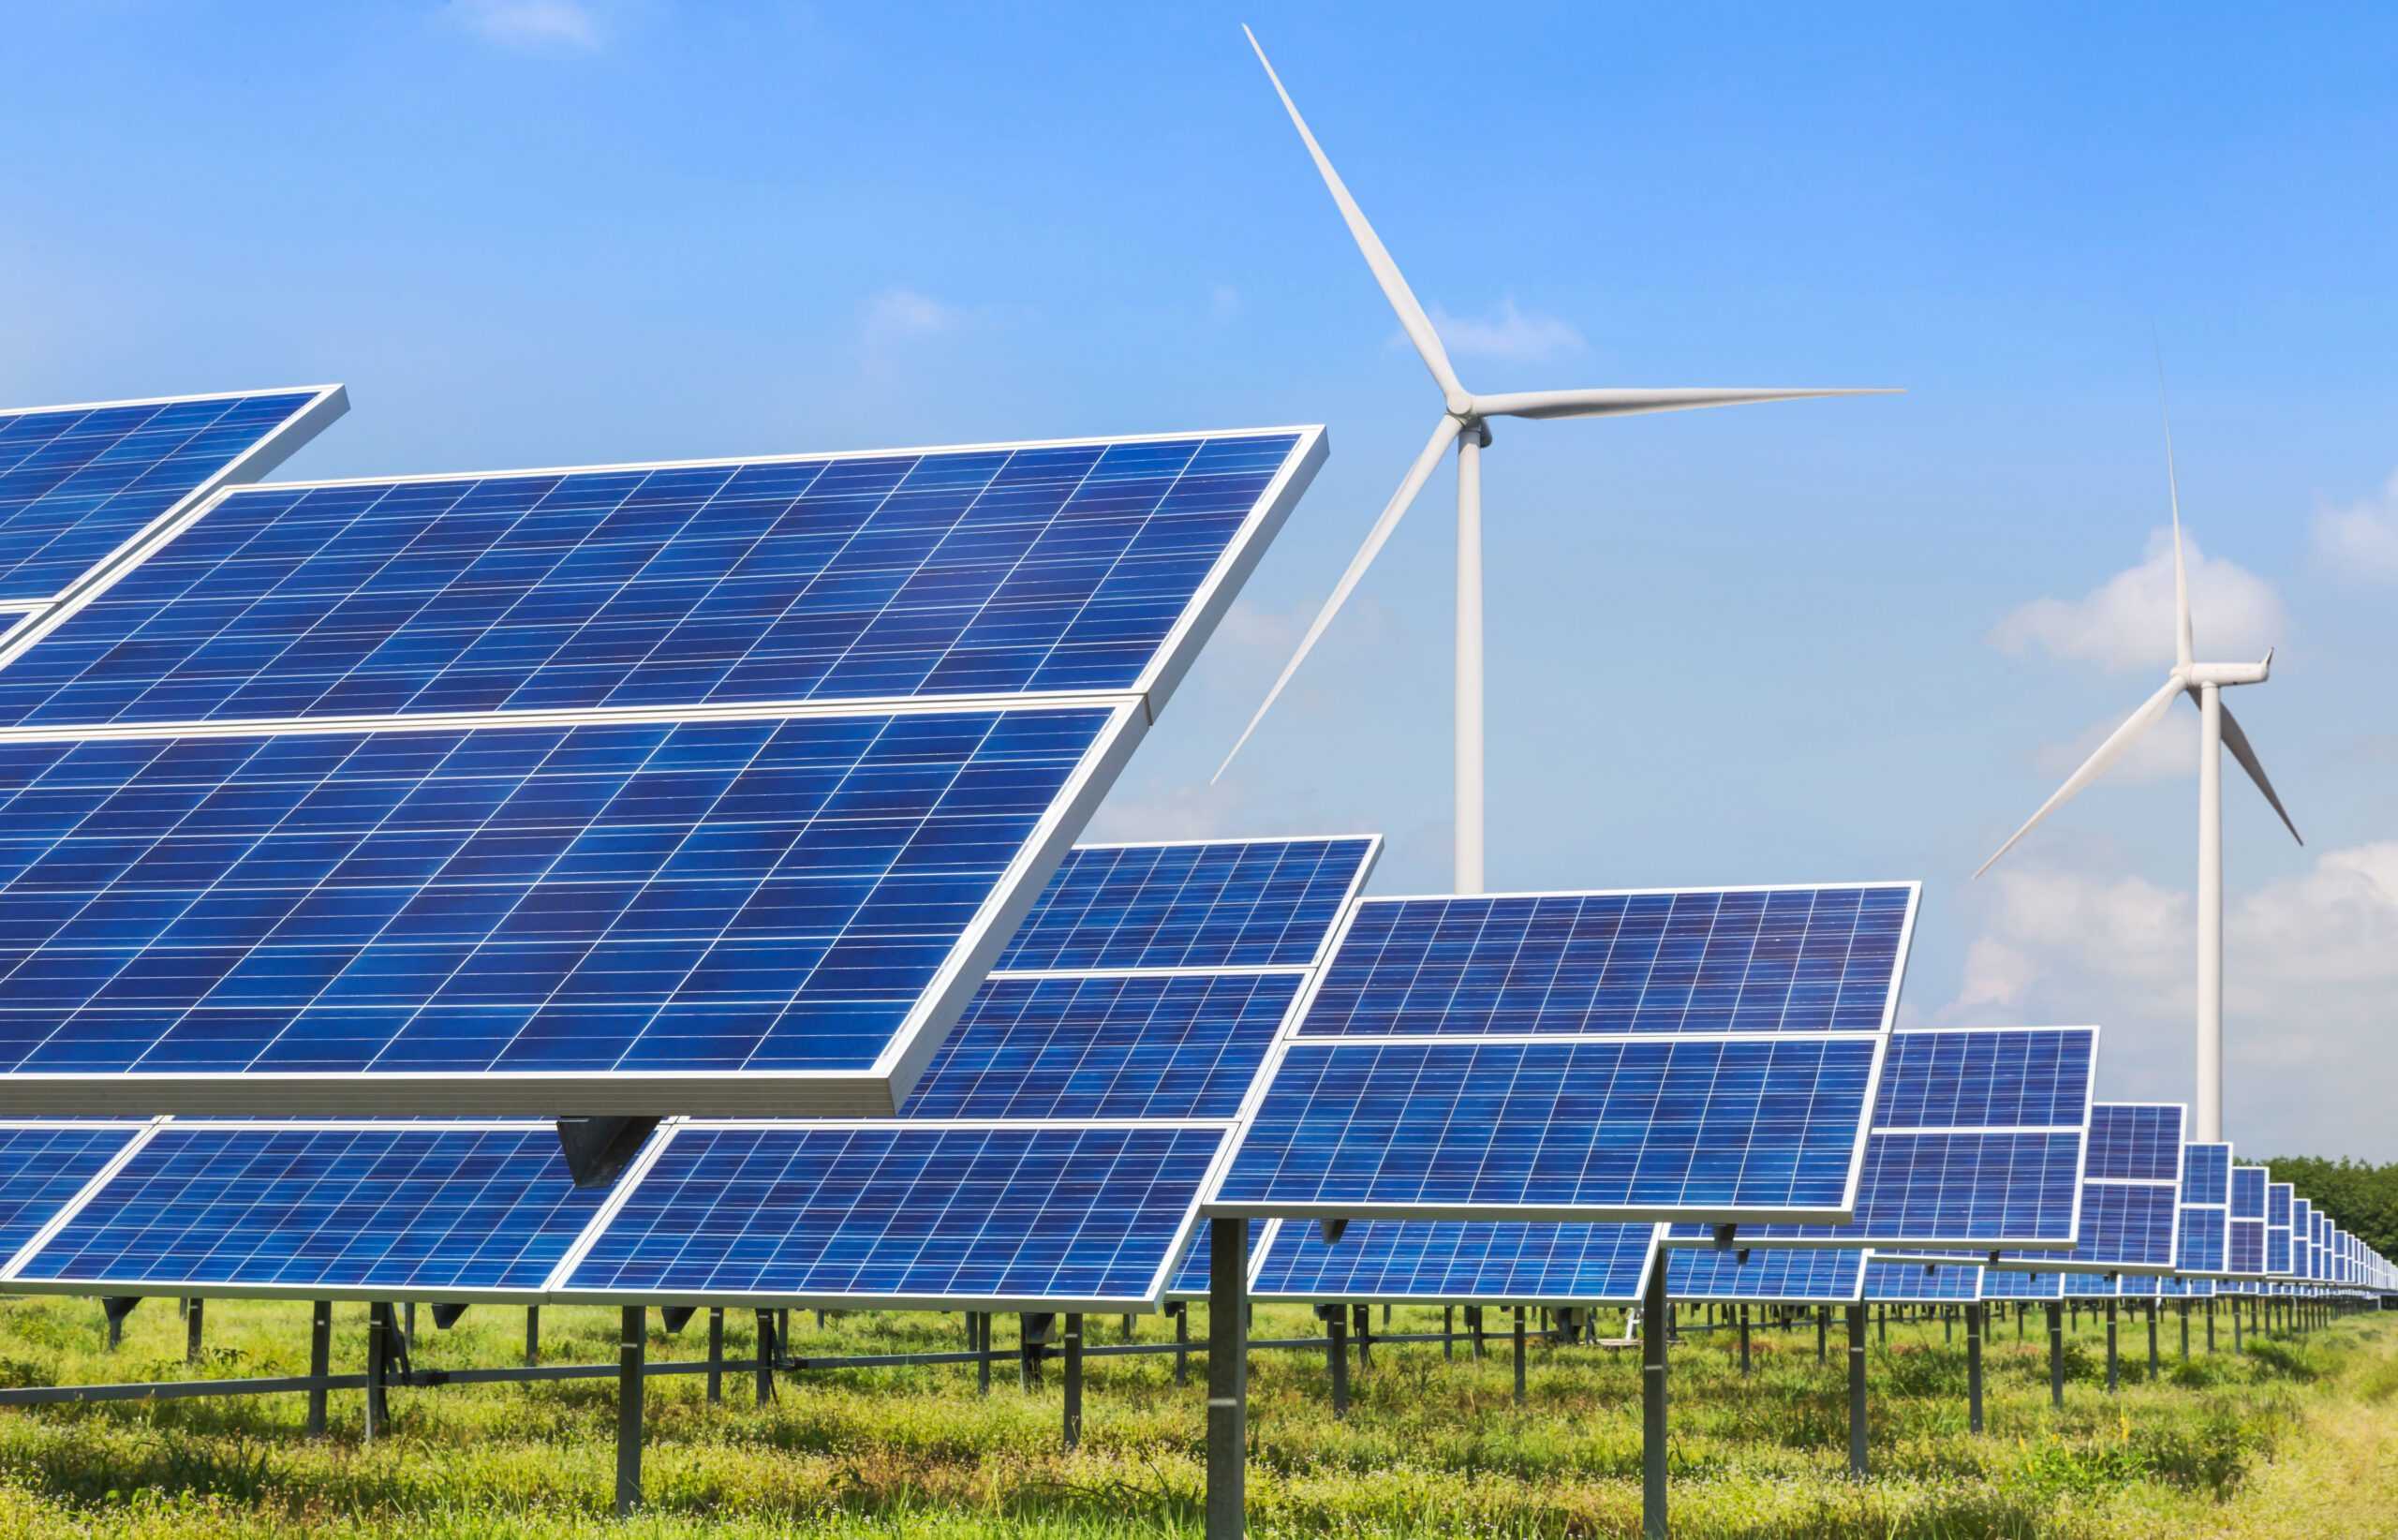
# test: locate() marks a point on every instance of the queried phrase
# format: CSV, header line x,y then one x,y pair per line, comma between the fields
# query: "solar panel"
x,y
1573,1058
2277,1235
2301,1238
556,919
1913,1283
2244,1239
900,1215
2205,1218
318,1210
79,484
2024,1287
2130,1194
44,1165
1191,1277
1404,1262
1768,1276
1976,1143
999,570
1216,904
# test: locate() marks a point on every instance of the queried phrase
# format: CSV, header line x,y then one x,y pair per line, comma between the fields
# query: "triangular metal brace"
x,y
1724,1233
597,1150
1332,1230
446,1317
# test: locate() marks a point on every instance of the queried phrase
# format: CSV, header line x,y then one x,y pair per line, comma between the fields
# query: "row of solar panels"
x,y
1057,1151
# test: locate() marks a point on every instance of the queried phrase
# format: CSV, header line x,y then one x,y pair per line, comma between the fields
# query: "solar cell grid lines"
x,y
44,1165
573,907
982,570
2204,1243
1766,1276
79,484
1215,904
1726,960
2130,1194
1913,1283
315,1210
2278,1197
1431,1262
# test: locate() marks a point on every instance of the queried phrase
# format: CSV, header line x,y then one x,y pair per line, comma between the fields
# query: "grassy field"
x,y
2298,1437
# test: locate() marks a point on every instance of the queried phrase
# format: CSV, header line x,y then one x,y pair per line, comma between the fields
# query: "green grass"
x,y
2299,1431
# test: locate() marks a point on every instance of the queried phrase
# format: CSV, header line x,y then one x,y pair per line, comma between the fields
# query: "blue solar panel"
x,y
1261,903
371,1209
76,482
1428,1263
1767,1276
2301,1238
1040,569
589,902
1976,1143
898,1213
1913,1283
1998,1285
1745,960
2130,1195
1605,1129
43,1165
1185,1046
2248,1192
1191,1276
2277,1236
2135,1142
2206,1192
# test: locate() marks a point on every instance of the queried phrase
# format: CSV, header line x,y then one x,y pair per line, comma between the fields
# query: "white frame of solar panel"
x,y
880,1089
273,448
1887,1243
1273,1232
1216,1207
2065,1263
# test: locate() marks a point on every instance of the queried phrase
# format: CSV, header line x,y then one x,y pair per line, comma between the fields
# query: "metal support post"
x,y
1856,1391
1227,1377
320,1355
1974,1367
379,1328
1823,1333
1882,1323
2056,1357
191,1331
2111,1376
2236,1346
769,1347
1448,1332
1520,1356
1073,1380
1473,1324
2210,1328
632,1345
1653,1310
2184,1310
1336,1355
2153,1364
1364,1327
981,1352
1181,1342
532,1334
716,1355
1744,1341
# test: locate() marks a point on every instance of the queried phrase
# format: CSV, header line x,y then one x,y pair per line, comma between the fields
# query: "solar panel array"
x,y
636,789
1610,1057
1917,1283
1428,1263
77,483
1767,1276
2130,1194
1976,1144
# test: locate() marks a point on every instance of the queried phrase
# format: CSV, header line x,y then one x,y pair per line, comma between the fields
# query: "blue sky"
x,y
1821,640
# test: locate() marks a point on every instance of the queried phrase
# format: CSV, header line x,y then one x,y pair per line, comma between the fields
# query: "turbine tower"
x,y
1465,420
2218,730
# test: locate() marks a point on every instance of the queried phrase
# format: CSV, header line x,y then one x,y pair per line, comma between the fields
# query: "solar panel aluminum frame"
x,y
559,1291
1165,670
876,1091
1216,1207
199,1288
1876,1242
327,401
1652,1261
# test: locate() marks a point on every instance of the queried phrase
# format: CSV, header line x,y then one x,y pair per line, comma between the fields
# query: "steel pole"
x,y
2056,1357
632,1347
1974,1367
1468,684
2210,913
1654,1332
320,1361
1227,1377
1856,1390
1073,1380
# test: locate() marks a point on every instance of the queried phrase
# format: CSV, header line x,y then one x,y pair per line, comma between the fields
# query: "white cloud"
x,y
2127,621
536,23
1517,336
897,318
2359,543
2311,963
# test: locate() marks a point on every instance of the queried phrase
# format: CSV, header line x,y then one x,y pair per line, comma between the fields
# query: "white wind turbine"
x,y
2203,683
1465,419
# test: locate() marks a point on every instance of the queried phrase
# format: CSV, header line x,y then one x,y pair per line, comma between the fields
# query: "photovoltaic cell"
x,y
1624,1129
1178,1047
43,1165
374,1208
1262,903
901,1212
1912,1283
1040,569
2302,1237
1456,1262
1767,1276
2277,1235
1999,1284
76,482
1746,960
2130,1194
2206,1196
594,902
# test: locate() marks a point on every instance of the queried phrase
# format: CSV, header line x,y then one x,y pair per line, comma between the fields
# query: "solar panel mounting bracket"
x,y
1333,1229
597,1150
1724,1233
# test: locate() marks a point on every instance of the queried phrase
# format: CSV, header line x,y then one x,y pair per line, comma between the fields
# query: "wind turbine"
x,y
1464,419
2218,730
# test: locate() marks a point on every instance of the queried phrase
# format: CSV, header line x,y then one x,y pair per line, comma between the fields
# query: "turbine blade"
x,y
1411,318
2246,753
1622,402
2185,649
1417,474
2118,743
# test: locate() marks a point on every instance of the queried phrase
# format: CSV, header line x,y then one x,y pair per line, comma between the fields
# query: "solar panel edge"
x,y
23,1255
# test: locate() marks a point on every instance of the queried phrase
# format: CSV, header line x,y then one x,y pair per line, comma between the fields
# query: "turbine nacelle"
x,y
2199,675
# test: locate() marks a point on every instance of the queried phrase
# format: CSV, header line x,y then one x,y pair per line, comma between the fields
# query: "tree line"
x,y
2360,1198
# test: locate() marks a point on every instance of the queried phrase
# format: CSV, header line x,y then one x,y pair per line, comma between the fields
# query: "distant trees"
x,y
2360,1198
